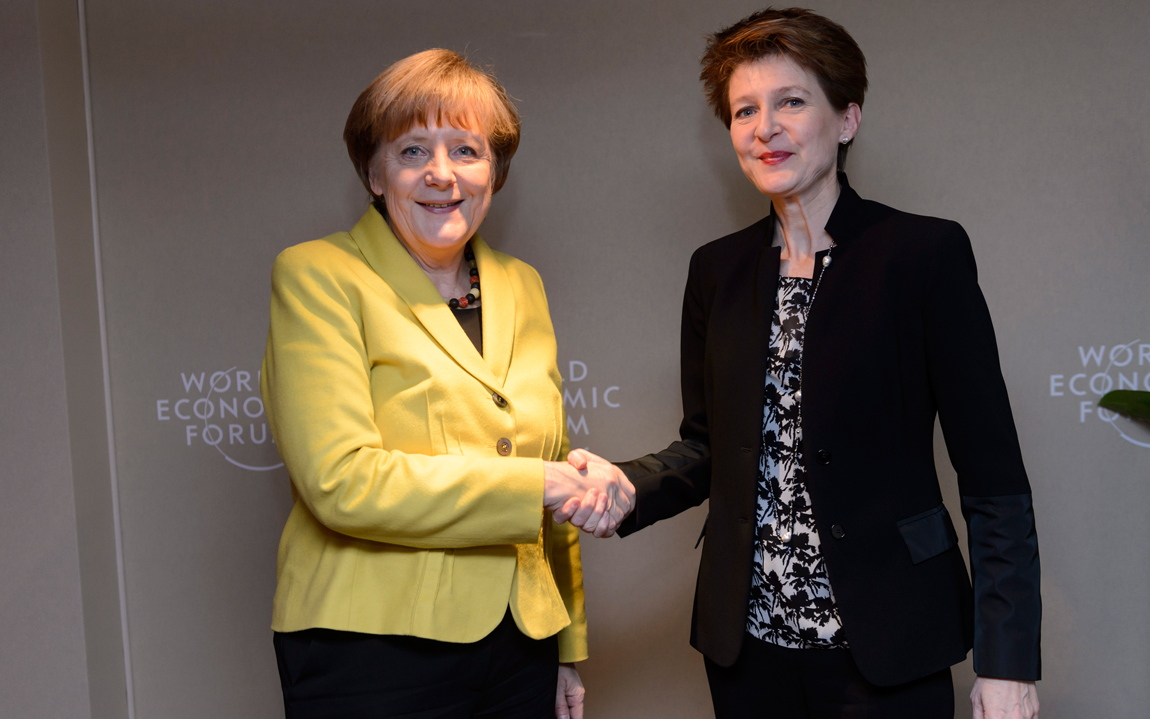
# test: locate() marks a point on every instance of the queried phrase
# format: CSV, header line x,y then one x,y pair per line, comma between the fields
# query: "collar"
x,y
391,261
847,220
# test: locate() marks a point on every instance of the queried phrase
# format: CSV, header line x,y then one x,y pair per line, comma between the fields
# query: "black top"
x,y
472,323
898,335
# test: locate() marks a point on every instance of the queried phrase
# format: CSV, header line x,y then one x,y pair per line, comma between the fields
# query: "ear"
x,y
374,170
852,118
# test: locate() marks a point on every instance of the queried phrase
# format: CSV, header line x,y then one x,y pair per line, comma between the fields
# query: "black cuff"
x,y
1007,602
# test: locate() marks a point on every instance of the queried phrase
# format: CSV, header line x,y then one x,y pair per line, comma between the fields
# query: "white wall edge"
x,y
82,10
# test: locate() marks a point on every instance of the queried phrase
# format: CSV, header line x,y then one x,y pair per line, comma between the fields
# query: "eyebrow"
x,y
791,88
424,135
780,91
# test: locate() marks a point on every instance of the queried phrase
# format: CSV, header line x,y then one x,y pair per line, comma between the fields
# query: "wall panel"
x,y
217,143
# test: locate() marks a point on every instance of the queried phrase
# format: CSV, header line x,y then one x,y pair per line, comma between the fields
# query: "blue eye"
x,y
793,102
744,112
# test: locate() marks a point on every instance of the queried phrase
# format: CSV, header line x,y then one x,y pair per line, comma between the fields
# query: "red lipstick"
x,y
775,158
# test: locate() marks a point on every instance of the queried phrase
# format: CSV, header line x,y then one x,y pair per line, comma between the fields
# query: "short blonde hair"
x,y
434,85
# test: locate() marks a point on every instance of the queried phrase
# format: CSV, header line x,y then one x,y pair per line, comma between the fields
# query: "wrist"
x,y
554,481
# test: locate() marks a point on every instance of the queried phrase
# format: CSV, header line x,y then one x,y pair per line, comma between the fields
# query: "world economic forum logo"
x,y
582,399
1103,368
223,411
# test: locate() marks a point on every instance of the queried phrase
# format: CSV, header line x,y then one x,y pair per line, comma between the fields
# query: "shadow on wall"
x,y
743,200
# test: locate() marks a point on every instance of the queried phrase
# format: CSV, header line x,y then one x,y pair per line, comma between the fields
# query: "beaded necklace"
x,y
472,295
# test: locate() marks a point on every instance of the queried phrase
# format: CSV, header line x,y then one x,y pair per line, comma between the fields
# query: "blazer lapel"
x,y
390,260
758,327
498,301
748,336
766,288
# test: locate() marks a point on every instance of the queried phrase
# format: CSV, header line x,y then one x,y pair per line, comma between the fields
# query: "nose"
x,y
767,127
440,173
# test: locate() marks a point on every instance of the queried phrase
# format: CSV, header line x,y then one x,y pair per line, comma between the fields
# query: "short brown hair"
x,y
813,42
438,85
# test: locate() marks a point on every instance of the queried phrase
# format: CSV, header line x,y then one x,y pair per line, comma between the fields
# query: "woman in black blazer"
x,y
818,345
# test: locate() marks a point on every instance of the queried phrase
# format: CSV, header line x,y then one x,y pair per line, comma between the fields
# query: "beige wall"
x,y
43,672
217,143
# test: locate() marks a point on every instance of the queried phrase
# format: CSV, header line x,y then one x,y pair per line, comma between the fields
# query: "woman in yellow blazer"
x,y
418,574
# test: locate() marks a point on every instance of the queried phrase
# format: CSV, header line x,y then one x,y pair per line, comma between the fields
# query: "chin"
x,y
447,235
448,241
776,184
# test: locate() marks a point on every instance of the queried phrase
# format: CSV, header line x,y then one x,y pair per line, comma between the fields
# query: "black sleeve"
x,y
679,477
974,410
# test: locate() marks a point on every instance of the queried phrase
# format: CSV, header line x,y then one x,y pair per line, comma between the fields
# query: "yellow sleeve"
x,y
567,568
316,388
568,571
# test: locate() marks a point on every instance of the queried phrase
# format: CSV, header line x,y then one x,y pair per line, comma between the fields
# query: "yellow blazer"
x,y
407,518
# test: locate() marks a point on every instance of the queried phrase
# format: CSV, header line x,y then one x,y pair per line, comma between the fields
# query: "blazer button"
x,y
837,531
503,446
823,457
498,399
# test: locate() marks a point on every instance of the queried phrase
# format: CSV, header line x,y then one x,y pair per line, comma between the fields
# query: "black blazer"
x,y
898,332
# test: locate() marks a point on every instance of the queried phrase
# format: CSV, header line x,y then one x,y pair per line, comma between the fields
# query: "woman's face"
x,y
785,131
436,182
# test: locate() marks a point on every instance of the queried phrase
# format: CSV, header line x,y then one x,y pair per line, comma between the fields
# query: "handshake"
x,y
587,491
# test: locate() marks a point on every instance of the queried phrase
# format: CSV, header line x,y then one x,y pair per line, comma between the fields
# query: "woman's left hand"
x,y
569,694
1004,699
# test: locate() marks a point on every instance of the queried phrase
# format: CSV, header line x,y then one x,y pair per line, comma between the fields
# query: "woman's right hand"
x,y
569,693
589,492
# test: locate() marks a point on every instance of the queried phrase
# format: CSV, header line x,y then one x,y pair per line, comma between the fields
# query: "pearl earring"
x,y
845,140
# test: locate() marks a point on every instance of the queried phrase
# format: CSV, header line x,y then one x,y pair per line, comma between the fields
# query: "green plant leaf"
x,y
1132,403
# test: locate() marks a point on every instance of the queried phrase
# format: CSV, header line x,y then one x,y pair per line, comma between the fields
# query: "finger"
x,y
622,491
601,506
565,512
586,507
571,506
620,508
561,711
578,458
591,510
976,704
575,702
589,456
609,522
606,526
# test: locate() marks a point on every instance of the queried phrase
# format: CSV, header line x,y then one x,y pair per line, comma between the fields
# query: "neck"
x,y
802,220
449,277
446,269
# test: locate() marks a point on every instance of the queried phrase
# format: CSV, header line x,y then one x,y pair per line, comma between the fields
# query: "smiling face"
x,y
437,184
785,131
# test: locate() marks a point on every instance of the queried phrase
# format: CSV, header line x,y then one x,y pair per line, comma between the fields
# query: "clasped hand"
x,y
589,492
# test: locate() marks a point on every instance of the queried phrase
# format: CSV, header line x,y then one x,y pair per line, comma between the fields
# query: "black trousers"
x,y
773,682
328,674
